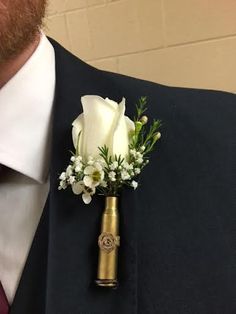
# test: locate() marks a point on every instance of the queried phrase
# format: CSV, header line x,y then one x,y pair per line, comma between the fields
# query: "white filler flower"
x,y
87,192
94,175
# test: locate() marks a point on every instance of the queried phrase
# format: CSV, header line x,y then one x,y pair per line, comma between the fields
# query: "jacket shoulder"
x,y
181,98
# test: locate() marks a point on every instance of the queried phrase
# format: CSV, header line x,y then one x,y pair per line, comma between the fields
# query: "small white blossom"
x,y
78,167
137,170
139,160
86,198
142,148
127,166
139,155
71,179
130,166
112,175
93,175
79,188
62,176
78,163
90,161
73,158
78,158
114,165
103,184
62,185
125,175
134,184
132,152
69,171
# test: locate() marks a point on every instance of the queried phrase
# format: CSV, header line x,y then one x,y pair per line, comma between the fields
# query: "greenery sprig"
x,y
141,137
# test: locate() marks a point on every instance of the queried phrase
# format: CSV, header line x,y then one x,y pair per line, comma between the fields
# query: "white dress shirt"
x,y
25,125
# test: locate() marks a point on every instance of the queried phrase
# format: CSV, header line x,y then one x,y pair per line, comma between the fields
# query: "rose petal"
x,y
121,133
112,103
98,166
77,188
129,124
99,116
102,175
77,128
89,170
86,198
88,181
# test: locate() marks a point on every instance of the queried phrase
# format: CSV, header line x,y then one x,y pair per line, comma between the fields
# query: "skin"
x,y
20,23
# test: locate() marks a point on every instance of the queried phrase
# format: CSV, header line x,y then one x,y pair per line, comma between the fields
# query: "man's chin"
x,y
13,49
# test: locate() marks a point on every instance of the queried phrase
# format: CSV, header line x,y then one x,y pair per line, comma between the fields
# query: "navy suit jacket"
x,y
178,229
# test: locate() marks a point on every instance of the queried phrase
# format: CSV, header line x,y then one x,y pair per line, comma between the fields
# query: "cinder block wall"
x,y
175,42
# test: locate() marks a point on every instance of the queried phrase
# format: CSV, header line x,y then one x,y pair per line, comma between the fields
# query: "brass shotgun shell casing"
x,y
108,243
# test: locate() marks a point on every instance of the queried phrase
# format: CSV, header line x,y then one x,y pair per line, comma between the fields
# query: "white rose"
x,y
102,123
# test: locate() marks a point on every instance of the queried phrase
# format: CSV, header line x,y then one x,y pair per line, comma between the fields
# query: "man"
x,y
178,231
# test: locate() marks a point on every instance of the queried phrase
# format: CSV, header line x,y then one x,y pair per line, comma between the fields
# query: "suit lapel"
x,y
61,267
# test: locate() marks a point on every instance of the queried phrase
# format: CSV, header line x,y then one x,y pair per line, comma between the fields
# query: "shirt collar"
x,y
25,114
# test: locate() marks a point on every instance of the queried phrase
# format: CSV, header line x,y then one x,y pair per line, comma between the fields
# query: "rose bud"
x,y
156,136
144,120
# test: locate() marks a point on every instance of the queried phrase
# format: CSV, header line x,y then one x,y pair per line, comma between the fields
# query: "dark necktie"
x,y
4,306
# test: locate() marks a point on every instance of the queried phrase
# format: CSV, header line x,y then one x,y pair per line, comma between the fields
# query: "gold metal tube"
x,y
108,243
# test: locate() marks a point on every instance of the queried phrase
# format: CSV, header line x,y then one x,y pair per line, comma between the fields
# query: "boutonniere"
x,y
110,152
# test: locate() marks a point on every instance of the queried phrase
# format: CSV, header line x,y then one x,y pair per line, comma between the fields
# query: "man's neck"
x,y
9,68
